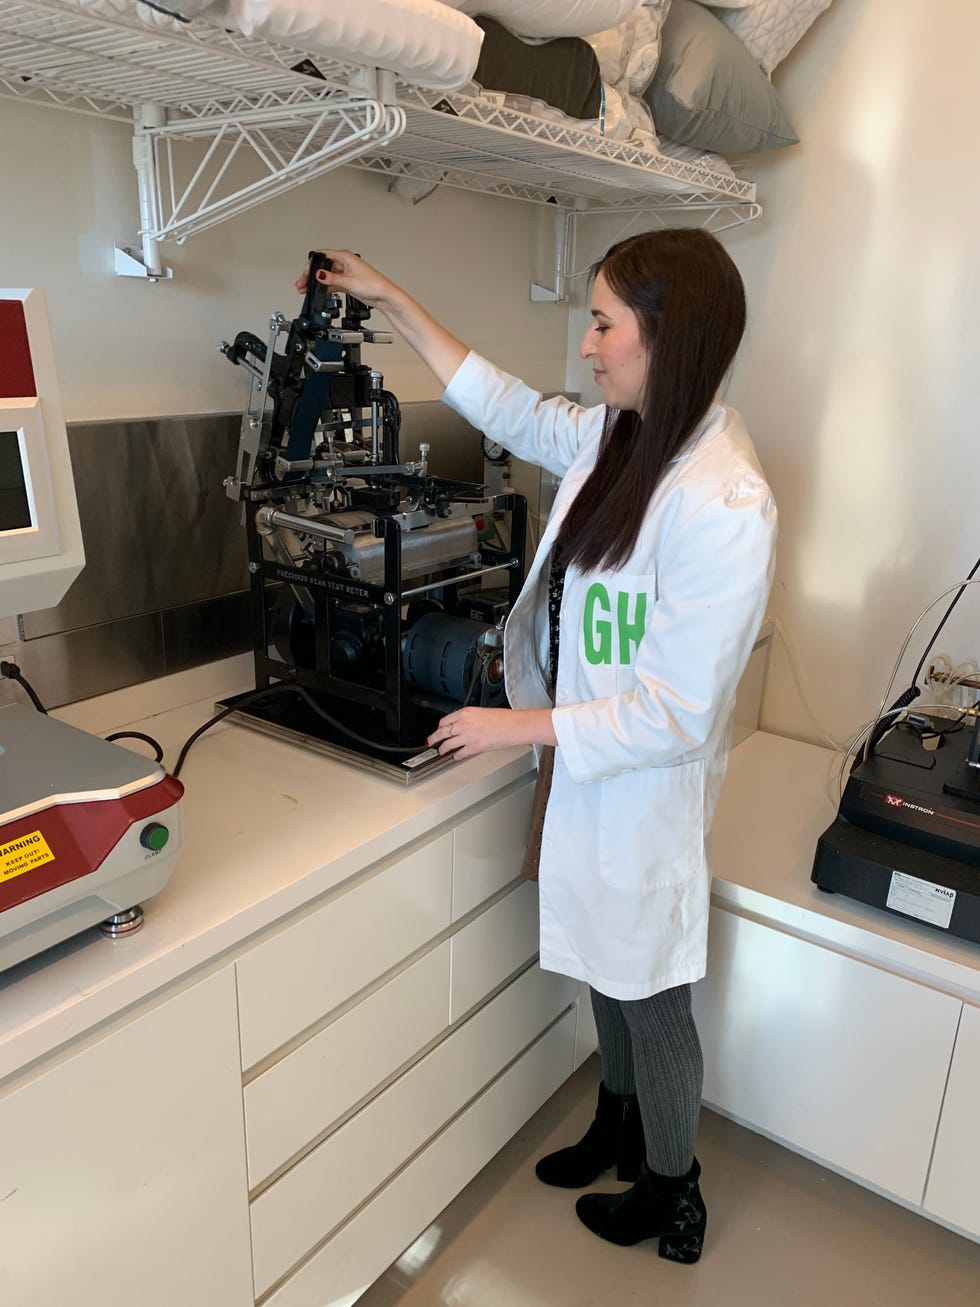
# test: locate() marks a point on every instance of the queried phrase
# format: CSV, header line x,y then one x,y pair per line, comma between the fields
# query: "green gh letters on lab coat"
x,y
597,630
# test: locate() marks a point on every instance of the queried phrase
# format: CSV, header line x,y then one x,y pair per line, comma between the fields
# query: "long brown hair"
x,y
689,301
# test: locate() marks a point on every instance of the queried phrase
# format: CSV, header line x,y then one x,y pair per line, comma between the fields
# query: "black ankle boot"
x,y
615,1138
664,1207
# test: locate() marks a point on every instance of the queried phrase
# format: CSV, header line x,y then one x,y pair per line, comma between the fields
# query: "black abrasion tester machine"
x,y
907,835
370,619
87,828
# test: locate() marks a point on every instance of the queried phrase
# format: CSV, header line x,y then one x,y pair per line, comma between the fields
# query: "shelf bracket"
x,y
127,263
287,138
148,118
713,215
555,293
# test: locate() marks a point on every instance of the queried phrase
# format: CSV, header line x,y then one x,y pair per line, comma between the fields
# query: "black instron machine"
x,y
368,613
87,829
907,834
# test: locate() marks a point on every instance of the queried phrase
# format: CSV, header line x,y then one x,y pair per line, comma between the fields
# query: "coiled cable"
x,y
913,689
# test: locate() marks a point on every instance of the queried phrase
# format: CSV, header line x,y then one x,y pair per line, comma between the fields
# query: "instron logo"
x,y
895,801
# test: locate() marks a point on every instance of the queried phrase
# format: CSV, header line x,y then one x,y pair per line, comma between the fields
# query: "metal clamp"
x,y
322,365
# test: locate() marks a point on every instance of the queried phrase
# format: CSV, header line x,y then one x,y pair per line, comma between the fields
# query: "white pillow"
x,y
427,43
770,28
167,16
551,17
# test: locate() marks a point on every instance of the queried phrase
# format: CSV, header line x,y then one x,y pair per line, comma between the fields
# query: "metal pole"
x,y
148,116
464,576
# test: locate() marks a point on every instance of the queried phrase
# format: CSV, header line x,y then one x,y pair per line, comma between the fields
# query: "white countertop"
x,y
773,807
268,826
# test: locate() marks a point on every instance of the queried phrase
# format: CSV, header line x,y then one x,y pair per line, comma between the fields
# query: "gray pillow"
x,y
708,91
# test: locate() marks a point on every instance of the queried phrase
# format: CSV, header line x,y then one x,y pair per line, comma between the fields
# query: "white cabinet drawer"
x,y
131,1145
492,947
826,1053
295,978
312,1198
954,1181
489,850
341,1271
299,1097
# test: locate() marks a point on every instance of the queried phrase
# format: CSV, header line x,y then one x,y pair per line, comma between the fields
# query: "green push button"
x,y
154,836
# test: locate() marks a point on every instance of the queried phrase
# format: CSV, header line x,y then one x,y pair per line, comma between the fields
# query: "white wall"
x,y
129,349
857,379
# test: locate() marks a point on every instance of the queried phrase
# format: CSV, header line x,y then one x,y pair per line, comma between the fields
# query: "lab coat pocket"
x,y
651,827
610,611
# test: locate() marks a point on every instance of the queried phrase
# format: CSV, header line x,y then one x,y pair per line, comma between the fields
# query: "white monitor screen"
x,y
40,538
15,500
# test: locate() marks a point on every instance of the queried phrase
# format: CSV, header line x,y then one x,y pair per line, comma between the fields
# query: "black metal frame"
x,y
267,575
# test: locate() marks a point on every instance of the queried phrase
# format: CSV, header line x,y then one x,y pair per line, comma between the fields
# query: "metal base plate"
x,y
287,718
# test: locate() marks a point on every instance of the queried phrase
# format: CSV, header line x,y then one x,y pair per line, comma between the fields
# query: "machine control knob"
x,y
154,836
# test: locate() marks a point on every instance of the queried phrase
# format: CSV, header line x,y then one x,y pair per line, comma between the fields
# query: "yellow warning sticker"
x,y
23,854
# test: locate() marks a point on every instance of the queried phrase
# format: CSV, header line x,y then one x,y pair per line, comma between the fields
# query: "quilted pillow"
x,y
770,28
708,91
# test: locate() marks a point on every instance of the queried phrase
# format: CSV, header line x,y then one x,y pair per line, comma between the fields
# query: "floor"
x,y
781,1230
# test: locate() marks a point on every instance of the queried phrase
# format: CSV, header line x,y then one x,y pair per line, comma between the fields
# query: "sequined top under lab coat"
x,y
650,657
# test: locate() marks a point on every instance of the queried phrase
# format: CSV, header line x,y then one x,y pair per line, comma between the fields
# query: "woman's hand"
x,y
439,348
469,731
350,274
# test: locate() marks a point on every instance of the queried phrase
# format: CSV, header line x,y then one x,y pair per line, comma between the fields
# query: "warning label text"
x,y
23,854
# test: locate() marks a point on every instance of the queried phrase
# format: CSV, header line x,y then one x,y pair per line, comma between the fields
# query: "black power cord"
x,y
885,724
282,688
288,687
9,669
199,732
138,735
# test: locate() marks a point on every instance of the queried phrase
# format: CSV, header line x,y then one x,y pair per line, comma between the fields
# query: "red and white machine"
x,y
87,828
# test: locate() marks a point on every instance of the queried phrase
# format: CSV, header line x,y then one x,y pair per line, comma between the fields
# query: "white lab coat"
x,y
649,660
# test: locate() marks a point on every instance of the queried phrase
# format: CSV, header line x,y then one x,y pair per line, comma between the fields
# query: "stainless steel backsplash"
x,y
164,585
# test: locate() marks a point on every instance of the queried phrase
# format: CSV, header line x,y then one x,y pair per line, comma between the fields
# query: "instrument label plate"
x,y
921,899
23,854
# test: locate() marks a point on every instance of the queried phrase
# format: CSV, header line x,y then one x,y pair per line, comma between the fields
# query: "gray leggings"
x,y
650,1047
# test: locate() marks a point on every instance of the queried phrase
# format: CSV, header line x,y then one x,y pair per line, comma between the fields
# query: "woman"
x,y
622,656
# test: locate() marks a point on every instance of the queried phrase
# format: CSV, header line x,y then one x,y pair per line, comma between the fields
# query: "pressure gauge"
x,y
494,452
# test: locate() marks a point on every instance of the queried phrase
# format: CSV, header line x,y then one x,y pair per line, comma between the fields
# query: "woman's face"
x,y
613,343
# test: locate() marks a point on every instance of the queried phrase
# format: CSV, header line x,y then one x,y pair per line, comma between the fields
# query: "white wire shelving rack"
x,y
283,117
